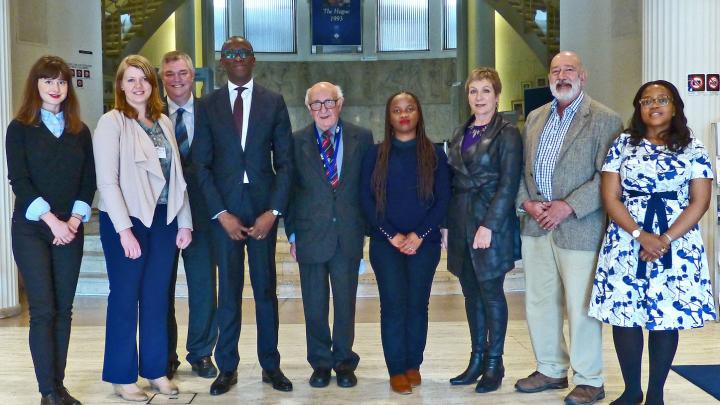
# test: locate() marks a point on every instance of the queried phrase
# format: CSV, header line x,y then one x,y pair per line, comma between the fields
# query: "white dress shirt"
x,y
247,103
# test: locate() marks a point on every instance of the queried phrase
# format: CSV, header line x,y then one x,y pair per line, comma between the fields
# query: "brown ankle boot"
x,y
413,376
400,384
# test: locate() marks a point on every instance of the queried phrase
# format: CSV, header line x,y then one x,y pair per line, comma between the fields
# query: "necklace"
x,y
478,130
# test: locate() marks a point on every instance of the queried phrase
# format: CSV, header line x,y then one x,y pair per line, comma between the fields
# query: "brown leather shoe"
x,y
413,376
538,381
585,395
400,384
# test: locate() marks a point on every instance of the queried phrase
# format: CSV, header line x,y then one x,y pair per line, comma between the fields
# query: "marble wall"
x,y
366,86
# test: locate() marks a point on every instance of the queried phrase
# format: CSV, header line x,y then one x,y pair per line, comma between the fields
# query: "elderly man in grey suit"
x,y
566,142
326,230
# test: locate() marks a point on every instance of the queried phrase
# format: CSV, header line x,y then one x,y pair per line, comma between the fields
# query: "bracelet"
x,y
669,238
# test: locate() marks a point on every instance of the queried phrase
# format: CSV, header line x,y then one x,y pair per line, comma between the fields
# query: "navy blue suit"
x,y
220,161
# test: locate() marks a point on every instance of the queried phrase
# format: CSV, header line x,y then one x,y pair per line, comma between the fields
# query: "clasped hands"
x,y
406,244
63,231
652,246
548,214
236,230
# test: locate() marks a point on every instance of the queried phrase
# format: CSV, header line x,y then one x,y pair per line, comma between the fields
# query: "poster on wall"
x,y
81,72
696,82
336,26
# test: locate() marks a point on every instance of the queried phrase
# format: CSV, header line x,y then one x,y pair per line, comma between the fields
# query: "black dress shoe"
x,y
346,378
51,399
320,378
223,382
172,368
204,368
278,380
67,399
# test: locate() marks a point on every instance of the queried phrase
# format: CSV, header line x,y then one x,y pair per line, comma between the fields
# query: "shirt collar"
x,y
333,129
188,107
46,115
248,86
571,108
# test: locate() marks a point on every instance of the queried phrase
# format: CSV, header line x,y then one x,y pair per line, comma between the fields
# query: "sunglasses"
x,y
242,53
662,101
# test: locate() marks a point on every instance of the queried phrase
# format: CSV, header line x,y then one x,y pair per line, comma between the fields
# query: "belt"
x,y
655,208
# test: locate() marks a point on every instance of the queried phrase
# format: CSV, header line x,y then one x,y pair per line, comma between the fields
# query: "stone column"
x,y
185,28
675,34
9,295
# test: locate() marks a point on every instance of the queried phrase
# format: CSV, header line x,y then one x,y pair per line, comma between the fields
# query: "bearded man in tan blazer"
x,y
562,222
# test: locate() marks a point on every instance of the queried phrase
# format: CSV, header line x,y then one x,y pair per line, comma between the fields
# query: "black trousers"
x,y
50,274
486,309
404,283
231,278
324,350
200,272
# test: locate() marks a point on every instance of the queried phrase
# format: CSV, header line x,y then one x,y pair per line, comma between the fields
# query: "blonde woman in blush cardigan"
x,y
144,216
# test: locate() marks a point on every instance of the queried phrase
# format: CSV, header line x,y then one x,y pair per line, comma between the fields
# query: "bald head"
x,y
567,77
321,95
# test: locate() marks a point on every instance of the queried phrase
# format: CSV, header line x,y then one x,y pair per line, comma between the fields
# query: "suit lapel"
x,y
579,121
224,109
254,116
455,151
349,143
534,131
310,152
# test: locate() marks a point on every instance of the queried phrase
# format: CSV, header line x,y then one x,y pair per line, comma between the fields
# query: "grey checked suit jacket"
x,y
576,178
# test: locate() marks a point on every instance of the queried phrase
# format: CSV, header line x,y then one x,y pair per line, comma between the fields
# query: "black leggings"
x,y
486,310
662,345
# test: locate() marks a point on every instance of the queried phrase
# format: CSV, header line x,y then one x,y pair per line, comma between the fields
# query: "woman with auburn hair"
x,y
404,196
485,155
52,173
652,271
144,215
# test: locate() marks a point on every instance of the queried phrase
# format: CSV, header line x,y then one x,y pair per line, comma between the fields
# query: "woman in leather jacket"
x,y
485,156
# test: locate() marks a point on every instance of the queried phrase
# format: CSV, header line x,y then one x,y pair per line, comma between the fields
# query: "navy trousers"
x,y
200,265
138,288
50,274
404,283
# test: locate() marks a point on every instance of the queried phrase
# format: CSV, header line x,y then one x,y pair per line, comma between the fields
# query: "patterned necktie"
x,y
238,110
330,163
181,135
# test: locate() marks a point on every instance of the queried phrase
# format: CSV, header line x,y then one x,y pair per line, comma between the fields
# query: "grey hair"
x,y
172,56
338,90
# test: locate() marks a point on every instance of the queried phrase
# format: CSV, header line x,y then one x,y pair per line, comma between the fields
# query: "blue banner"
x,y
336,22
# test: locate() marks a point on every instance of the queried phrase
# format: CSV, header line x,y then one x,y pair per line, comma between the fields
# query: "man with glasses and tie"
x,y
326,229
242,155
178,76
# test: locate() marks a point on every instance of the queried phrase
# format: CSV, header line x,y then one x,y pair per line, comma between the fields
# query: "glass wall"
x,y
402,25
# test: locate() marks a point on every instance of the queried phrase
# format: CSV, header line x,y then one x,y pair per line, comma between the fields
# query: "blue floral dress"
x,y
676,297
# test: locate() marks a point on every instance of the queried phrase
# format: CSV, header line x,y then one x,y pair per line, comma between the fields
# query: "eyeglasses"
x,y
662,101
243,53
329,104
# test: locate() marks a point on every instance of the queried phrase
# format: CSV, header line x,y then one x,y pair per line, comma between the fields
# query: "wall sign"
x,y
336,26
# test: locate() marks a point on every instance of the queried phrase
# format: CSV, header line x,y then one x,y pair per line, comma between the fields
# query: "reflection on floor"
x,y
445,356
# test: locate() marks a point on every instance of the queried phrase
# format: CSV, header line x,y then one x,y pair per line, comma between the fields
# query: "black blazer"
x,y
318,216
220,160
60,170
198,207
484,190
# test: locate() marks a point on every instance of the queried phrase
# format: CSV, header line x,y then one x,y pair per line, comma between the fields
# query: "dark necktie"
x,y
238,111
330,163
181,134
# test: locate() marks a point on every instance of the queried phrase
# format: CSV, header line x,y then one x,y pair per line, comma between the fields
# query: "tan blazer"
x,y
576,178
129,176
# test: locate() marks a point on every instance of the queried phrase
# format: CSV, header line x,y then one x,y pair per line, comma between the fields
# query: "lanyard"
x,y
336,146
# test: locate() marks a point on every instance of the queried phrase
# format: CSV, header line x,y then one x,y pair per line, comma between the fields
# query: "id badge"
x,y
161,152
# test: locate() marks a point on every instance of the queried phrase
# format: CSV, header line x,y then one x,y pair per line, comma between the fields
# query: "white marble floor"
x,y
446,355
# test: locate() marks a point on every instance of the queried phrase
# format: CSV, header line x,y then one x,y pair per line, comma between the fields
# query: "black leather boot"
x,y
473,371
493,375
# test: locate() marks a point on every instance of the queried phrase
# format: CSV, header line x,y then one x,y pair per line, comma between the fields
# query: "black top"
x,y
60,170
405,211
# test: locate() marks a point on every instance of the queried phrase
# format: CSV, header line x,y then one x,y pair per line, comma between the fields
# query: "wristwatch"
x,y
636,233
275,212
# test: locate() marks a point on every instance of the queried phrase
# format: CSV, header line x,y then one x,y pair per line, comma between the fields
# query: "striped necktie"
x,y
181,134
330,162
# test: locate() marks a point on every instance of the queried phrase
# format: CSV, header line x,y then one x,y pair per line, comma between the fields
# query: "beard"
x,y
566,95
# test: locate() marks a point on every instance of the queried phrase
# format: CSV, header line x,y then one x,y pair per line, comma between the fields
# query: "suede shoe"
x,y
537,382
223,382
400,384
585,395
320,378
413,376
277,379
204,368
346,378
